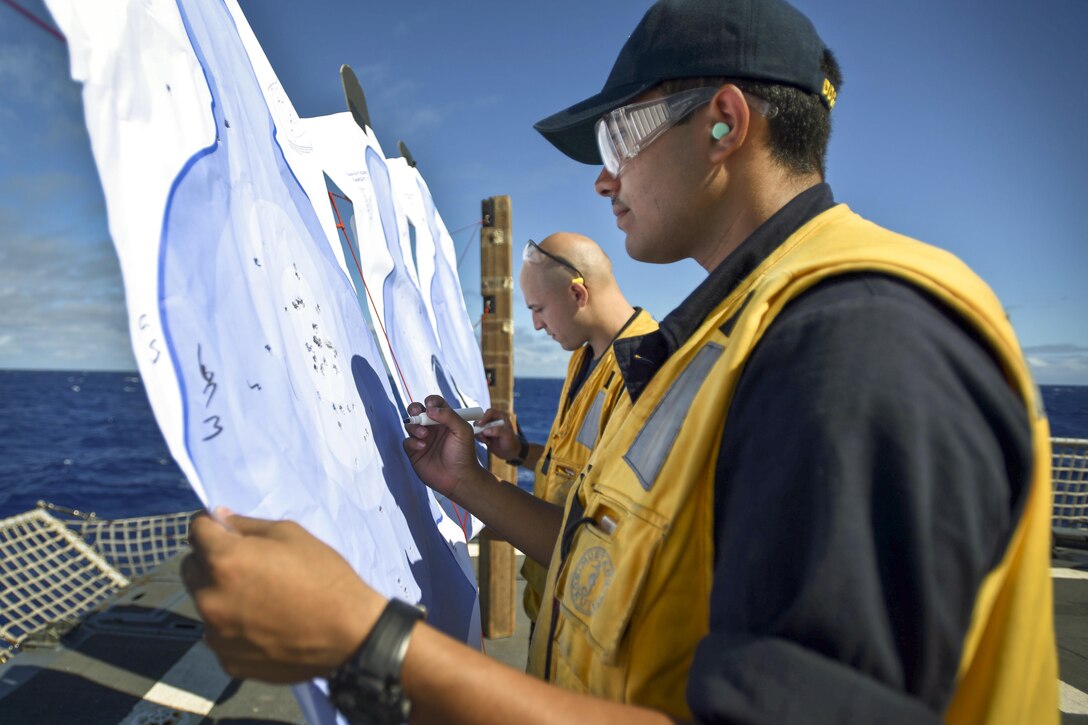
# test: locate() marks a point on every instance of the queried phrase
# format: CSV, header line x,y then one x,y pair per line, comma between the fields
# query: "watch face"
x,y
364,700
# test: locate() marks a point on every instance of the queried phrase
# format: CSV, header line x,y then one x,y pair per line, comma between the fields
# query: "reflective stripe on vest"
x,y
591,424
653,443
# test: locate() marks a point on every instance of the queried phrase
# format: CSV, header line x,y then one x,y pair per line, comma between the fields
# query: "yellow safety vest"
x,y
632,594
577,427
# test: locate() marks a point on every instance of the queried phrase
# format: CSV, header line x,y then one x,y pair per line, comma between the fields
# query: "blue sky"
x,y
959,123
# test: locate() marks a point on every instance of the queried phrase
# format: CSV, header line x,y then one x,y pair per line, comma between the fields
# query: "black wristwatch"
x,y
366,689
523,453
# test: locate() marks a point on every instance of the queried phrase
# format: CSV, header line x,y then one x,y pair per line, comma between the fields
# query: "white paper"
x,y
271,390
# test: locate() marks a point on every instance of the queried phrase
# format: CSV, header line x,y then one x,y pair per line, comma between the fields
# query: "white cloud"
x,y
538,356
409,113
1064,348
1059,363
420,119
60,290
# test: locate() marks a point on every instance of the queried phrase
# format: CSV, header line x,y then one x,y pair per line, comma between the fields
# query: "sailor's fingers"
x,y
417,438
192,519
247,526
208,534
435,401
416,430
480,428
492,414
194,574
420,431
498,433
494,433
438,411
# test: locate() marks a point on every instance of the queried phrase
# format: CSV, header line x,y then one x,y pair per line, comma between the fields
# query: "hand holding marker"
x,y
469,414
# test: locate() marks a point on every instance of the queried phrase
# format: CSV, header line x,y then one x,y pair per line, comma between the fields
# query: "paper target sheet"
x,y
271,389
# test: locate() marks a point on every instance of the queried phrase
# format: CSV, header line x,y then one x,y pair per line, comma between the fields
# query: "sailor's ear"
x,y
727,118
581,294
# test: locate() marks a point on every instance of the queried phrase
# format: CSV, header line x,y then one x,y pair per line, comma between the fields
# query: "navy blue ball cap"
x,y
763,40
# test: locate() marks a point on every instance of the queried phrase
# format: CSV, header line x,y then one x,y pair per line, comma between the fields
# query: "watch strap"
x,y
367,688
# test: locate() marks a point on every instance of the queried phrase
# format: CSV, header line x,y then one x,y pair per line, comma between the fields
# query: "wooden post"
x,y
498,578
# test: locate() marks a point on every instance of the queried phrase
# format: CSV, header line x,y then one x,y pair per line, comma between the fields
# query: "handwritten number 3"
x,y
214,420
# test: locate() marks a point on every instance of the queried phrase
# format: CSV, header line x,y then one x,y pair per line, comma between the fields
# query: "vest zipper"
x,y
564,550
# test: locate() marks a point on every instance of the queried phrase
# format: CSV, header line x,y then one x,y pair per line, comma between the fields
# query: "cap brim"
x,y
572,129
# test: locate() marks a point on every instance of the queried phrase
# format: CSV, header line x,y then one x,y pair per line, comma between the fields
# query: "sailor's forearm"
x,y
450,683
529,523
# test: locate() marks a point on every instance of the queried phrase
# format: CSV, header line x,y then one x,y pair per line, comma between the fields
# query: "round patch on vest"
x,y
590,580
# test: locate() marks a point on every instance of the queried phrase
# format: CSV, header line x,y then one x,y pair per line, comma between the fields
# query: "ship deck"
x,y
139,658
1069,568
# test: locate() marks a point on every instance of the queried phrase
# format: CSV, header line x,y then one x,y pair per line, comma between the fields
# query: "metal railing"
x,y
56,564
1070,477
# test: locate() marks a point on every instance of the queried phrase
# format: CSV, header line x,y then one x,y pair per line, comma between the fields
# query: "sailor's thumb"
x,y
247,526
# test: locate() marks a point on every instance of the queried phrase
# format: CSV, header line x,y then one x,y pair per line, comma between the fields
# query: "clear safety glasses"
x,y
532,252
622,133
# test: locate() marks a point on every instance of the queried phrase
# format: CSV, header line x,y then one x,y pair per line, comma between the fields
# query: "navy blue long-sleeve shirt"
x,y
871,471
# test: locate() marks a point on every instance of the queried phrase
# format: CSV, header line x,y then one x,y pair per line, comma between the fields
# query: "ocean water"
x,y
89,440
